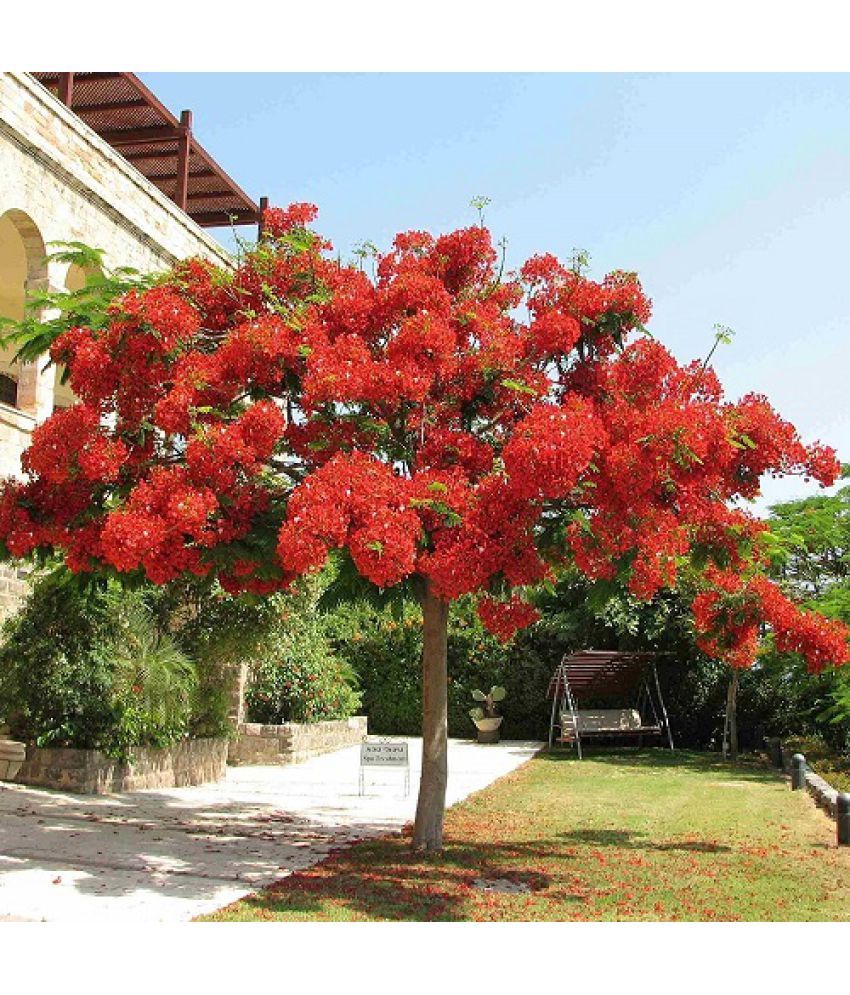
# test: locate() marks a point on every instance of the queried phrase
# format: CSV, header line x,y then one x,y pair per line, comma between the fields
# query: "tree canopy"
x,y
440,420
440,425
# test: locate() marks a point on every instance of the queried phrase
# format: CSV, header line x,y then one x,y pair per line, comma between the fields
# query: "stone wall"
x,y
90,772
13,589
293,742
61,183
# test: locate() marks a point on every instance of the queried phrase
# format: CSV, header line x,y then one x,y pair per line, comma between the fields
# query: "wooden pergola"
x,y
127,115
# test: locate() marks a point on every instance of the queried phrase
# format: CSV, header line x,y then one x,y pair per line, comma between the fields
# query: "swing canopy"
x,y
601,673
631,679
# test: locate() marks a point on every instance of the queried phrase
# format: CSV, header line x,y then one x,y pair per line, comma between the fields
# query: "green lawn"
x,y
617,836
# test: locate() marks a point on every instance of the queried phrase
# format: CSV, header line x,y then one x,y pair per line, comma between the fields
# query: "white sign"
x,y
384,755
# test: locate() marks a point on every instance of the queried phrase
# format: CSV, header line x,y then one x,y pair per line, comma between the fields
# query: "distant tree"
x,y
810,557
811,552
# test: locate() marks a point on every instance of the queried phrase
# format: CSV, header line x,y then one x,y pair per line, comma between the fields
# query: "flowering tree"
x,y
440,424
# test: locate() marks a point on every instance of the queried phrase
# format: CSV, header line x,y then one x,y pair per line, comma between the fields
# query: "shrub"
x,y
88,667
219,633
833,765
298,679
55,678
384,649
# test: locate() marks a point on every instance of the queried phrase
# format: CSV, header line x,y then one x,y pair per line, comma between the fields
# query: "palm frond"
x,y
87,307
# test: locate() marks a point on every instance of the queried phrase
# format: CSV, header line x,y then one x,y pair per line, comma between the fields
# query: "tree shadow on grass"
x,y
625,839
708,764
386,880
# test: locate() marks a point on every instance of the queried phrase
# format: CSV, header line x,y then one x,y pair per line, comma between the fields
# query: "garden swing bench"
x,y
601,674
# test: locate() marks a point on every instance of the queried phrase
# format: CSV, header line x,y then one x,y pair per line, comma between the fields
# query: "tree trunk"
x,y
431,806
732,716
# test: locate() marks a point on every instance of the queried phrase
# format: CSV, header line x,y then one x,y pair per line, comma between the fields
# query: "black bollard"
x,y
842,818
798,771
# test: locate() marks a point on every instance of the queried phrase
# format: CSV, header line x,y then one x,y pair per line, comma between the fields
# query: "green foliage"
x,y
810,549
480,204
298,679
90,668
385,652
54,685
384,649
218,632
85,308
153,681
809,546
91,664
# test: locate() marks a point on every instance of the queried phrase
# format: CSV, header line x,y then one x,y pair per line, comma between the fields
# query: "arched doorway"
x,y
23,267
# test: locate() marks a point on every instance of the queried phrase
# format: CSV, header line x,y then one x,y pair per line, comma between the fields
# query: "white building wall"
x,y
60,182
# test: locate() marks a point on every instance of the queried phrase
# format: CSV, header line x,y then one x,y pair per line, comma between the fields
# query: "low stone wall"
x,y
90,772
293,742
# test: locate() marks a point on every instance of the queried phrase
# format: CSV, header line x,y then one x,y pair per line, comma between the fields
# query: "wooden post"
x,y
730,723
842,818
264,203
66,88
184,146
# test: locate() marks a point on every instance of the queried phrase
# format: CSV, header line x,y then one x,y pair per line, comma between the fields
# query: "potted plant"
x,y
485,716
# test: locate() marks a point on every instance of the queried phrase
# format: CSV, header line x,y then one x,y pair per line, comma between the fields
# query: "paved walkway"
x,y
167,855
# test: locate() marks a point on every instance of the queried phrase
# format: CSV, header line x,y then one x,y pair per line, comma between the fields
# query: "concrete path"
x,y
167,855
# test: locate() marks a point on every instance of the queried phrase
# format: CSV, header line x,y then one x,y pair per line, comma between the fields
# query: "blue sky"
x,y
729,194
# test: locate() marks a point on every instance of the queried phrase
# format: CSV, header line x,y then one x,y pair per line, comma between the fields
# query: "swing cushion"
x,y
604,720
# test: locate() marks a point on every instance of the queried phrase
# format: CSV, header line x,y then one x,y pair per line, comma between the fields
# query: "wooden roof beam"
x,y
223,218
207,194
83,78
135,157
65,88
141,136
168,177
115,105
184,151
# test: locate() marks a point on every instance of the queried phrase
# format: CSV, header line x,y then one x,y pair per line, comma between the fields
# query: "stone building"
x,y
94,158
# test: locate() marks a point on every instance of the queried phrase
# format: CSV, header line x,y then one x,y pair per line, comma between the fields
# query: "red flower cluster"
x,y
505,618
551,448
445,448
352,500
73,444
277,221
162,312
165,523
222,455
728,618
